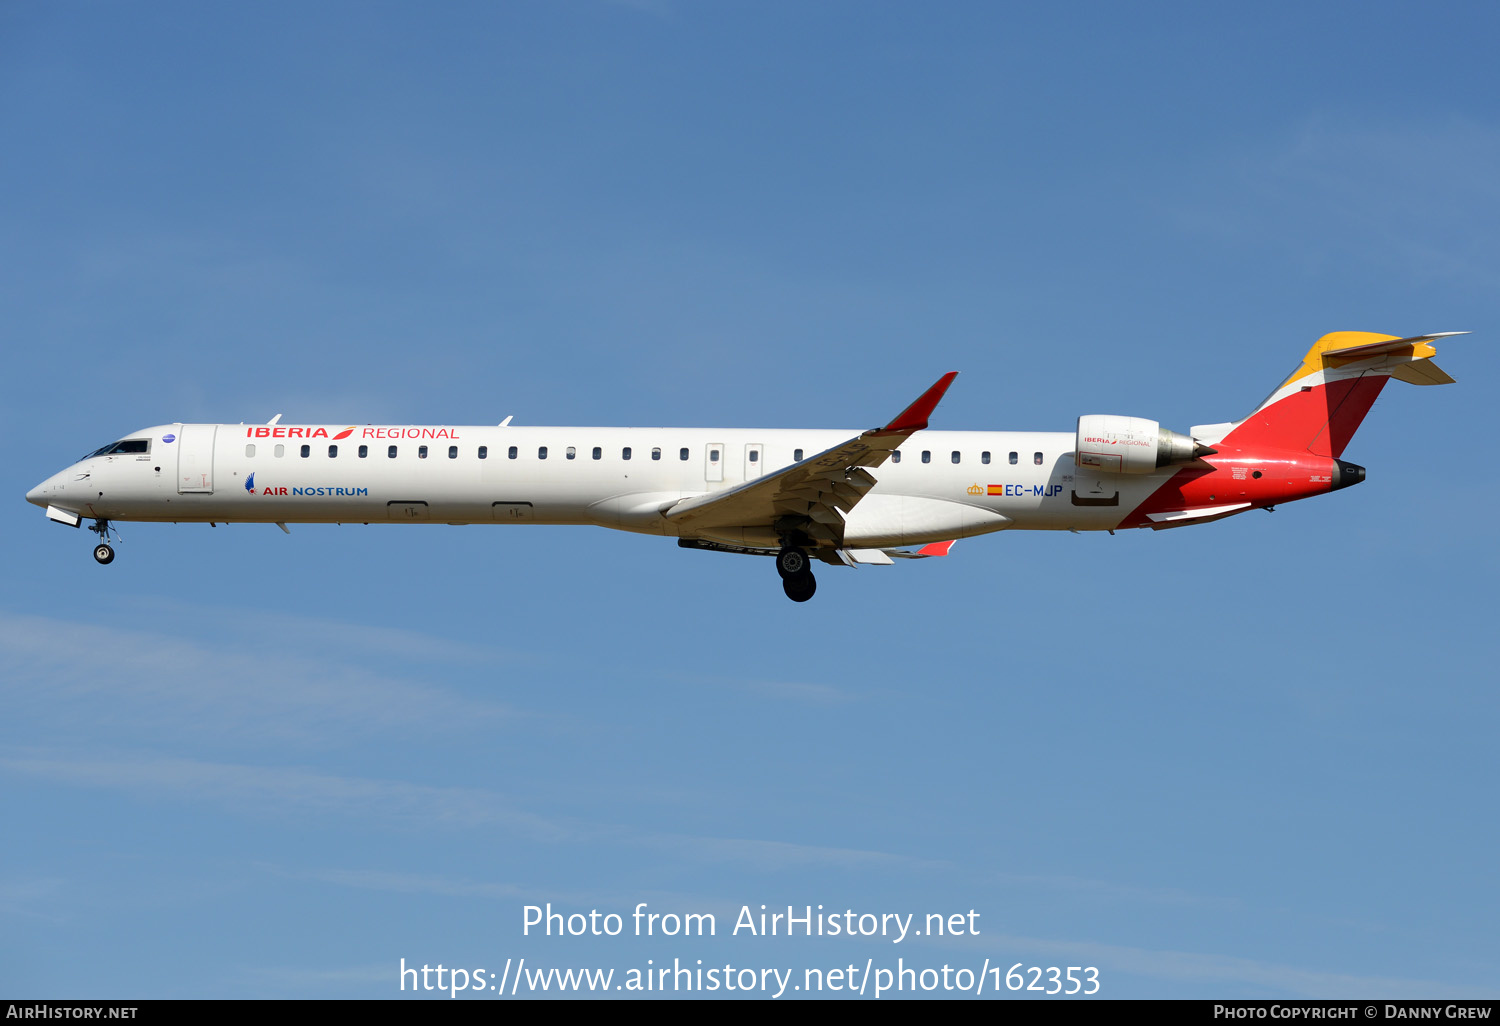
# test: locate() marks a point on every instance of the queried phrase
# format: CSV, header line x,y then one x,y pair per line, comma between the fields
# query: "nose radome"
x,y
38,495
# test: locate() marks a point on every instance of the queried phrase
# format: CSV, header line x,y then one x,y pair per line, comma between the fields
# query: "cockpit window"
x,y
129,447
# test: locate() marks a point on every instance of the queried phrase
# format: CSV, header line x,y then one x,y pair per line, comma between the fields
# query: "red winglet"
x,y
935,549
914,417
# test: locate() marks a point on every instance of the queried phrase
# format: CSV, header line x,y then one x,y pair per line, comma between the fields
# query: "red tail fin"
x,y
1320,406
1320,418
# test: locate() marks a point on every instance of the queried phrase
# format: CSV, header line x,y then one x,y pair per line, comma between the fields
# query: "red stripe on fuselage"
x,y
1228,478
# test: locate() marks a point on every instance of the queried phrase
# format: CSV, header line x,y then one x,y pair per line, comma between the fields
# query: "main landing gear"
x,y
104,553
796,574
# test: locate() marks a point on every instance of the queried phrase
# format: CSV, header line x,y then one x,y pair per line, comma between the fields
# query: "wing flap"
x,y
925,552
1197,514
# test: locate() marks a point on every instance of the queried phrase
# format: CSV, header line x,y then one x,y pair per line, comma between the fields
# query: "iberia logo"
x,y
974,489
344,433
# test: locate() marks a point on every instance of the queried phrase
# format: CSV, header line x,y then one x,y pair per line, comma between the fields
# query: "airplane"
x,y
899,491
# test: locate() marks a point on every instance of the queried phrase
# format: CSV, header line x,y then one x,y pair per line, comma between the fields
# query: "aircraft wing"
x,y
815,494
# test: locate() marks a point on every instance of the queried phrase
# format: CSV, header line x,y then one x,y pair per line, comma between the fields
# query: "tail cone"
x,y
1346,474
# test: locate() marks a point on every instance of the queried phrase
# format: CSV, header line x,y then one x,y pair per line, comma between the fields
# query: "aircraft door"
x,y
754,461
713,467
195,458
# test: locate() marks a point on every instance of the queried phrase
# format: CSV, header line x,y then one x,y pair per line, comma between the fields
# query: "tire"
x,y
791,562
799,588
103,554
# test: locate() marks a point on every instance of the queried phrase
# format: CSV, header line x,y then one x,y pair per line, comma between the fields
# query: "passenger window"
x,y
656,453
896,456
453,452
306,451
572,452
250,450
682,455
484,452
512,453
625,453
984,457
541,452
598,452
280,451
955,456
926,456
364,450
1014,458
333,451
1037,459
391,453
421,452
796,455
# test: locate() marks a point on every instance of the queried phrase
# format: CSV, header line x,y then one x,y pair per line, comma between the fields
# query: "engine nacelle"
x,y
1131,445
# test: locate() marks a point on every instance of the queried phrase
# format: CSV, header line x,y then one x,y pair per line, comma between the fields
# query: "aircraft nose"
x,y
39,495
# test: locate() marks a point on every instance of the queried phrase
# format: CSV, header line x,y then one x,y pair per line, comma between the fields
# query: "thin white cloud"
x,y
787,690
325,633
779,855
112,677
1110,891
31,896
300,979
407,883
259,790
280,791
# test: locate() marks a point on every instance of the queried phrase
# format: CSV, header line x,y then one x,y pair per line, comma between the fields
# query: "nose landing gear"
x,y
104,553
796,575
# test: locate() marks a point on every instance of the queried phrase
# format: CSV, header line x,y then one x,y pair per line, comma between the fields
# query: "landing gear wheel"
x,y
800,587
104,554
791,563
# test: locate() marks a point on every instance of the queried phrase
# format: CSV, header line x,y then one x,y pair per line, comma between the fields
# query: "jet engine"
x,y
1132,445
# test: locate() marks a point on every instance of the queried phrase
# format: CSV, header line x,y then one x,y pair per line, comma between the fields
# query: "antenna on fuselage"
x,y
273,420
506,421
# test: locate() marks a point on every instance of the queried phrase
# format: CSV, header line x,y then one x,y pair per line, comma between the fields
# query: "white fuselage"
x,y
623,478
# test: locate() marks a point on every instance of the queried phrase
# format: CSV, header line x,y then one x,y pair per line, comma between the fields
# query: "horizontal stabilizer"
x,y
1358,347
1422,372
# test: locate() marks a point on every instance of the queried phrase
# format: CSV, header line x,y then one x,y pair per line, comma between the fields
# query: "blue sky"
x,y
1254,759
